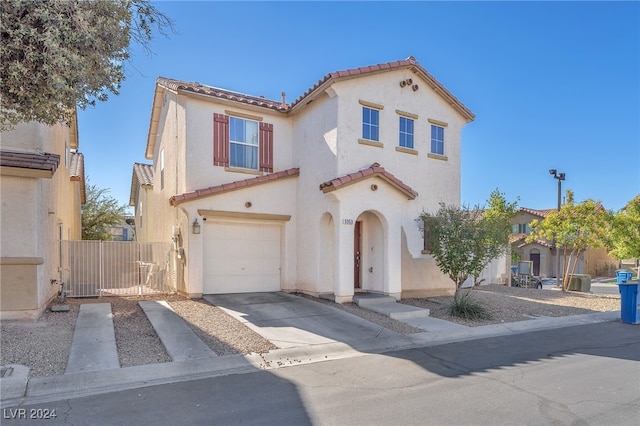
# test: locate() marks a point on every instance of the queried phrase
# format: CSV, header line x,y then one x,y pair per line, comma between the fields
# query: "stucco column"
x,y
343,285
393,267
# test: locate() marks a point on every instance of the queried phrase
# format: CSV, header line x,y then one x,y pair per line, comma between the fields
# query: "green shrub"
x,y
464,306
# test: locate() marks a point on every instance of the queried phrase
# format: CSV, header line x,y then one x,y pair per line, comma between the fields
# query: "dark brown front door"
x,y
535,258
356,255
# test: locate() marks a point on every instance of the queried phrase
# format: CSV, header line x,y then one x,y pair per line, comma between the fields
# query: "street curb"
x,y
39,390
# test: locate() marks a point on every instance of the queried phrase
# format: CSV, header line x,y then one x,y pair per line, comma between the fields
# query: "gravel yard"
x,y
43,345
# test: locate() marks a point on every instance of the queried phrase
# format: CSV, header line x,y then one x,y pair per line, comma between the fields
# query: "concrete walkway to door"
x,y
290,321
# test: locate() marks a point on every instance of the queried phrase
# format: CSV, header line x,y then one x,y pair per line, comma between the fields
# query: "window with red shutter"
x,y
235,144
220,140
266,147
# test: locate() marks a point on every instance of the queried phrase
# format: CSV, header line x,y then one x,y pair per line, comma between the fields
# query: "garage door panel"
x,y
241,257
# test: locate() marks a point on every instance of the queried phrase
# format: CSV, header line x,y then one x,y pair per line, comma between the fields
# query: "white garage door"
x,y
241,257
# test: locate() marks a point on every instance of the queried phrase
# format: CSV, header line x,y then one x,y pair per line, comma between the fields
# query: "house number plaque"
x,y
347,221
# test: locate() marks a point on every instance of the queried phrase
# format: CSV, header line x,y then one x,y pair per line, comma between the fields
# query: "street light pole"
x,y
560,177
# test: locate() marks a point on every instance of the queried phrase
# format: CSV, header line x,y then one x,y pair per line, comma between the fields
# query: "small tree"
x,y
574,228
625,235
100,213
463,241
56,55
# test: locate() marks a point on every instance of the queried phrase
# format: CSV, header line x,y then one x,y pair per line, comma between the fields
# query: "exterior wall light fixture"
x,y
195,226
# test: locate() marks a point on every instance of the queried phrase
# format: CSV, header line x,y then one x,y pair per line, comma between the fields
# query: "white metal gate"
x,y
116,268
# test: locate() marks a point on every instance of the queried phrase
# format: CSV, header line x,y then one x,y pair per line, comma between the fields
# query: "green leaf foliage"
x,y
574,228
625,235
59,55
463,241
100,213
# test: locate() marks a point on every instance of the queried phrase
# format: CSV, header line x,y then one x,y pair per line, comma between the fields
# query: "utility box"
x,y
580,282
629,313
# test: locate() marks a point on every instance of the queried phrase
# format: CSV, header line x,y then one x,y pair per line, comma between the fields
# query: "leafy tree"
x,y
100,213
625,233
575,227
463,241
56,55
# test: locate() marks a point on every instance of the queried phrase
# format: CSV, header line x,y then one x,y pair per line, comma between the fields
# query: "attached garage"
x,y
241,257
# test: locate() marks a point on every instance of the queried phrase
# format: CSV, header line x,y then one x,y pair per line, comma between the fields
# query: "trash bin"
x,y
629,312
623,275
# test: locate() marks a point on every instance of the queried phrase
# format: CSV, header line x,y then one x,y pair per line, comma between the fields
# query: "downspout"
x,y
179,265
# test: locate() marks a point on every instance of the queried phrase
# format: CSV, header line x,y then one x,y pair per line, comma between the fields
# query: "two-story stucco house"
x,y
42,189
317,196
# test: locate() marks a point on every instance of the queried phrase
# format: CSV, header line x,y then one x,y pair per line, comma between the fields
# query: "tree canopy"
x,y
59,55
574,228
100,213
463,240
625,235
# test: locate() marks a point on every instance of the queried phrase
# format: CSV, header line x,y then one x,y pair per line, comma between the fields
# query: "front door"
x,y
535,258
356,254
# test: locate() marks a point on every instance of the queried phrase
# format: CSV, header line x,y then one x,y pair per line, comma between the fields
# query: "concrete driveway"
x,y
290,321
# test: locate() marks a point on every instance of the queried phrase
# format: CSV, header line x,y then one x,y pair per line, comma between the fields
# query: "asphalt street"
x,y
586,374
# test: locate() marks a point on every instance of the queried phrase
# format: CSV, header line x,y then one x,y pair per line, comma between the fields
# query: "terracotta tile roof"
x,y
76,173
30,160
374,171
215,92
516,237
227,187
541,242
142,175
540,213
409,63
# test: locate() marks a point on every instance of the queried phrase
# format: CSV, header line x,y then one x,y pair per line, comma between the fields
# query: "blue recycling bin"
x,y
629,312
623,276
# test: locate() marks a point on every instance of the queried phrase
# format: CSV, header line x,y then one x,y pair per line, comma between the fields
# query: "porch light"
x,y
196,226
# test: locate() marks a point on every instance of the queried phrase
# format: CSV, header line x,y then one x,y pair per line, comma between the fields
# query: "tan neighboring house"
x,y
594,261
42,188
319,195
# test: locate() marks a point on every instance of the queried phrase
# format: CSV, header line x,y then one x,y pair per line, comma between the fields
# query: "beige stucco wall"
x,y
36,213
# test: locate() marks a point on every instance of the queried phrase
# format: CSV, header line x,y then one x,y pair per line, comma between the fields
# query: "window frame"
x,y
370,125
244,143
435,142
406,133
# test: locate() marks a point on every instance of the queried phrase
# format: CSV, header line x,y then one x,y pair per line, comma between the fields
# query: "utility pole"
x,y
560,177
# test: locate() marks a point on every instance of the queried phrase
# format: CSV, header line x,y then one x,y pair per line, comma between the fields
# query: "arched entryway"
x,y
368,253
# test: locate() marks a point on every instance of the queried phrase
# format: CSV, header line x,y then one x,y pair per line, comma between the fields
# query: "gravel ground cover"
x,y
43,345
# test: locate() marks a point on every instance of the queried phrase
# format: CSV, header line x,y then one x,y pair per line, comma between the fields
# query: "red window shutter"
x,y
220,140
266,147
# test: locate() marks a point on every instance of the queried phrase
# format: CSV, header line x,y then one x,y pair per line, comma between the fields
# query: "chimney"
x,y
284,99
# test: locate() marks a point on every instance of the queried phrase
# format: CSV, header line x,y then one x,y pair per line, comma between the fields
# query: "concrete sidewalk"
x,y
305,331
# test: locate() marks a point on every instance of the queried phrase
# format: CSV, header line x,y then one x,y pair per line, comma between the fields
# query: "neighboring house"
x,y
141,192
317,196
43,187
594,261
124,231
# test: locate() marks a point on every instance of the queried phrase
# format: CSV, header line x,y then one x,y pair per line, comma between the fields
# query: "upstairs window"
x,y
243,148
242,143
521,228
370,124
437,140
406,133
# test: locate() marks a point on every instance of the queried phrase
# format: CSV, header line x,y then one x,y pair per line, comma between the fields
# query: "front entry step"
x,y
387,305
369,299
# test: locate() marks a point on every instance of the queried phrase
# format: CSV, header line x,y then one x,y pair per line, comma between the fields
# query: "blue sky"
x,y
552,84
